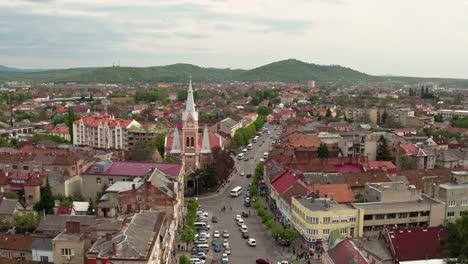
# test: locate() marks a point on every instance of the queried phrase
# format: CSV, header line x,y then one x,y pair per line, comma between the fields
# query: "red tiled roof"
x,y
297,140
360,179
341,193
136,169
215,140
296,189
94,121
284,181
15,242
344,252
60,130
416,243
348,167
412,150
384,166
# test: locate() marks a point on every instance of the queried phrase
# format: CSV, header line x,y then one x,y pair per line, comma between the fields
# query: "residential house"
x,y
416,244
26,185
423,156
380,166
69,246
298,188
437,143
61,131
229,126
8,207
146,239
454,194
42,250
344,251
357,143
16,246
450,158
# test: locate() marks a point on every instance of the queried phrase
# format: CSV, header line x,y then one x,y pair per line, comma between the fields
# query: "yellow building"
x,y
314,219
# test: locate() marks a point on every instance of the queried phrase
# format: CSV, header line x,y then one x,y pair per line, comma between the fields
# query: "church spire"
x,y
176,143
190,104
206,148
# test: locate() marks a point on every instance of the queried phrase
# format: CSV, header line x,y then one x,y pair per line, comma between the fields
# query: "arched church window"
x,y
187,142
192,142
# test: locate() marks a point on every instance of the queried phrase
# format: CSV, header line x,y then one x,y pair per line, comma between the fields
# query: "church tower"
x,y
190,132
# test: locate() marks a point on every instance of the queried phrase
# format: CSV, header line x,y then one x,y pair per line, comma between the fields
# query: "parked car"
x,y
249,175
238,217
227,251
216,233
263,261
225,234
240,222
200,255
245,214
217,247
214,219
226,243
246,158
202,214
251,242
242,173
283,262
215,241
225,259
245,235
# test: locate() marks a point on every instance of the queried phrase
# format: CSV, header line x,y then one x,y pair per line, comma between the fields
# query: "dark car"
x,y
245,235
244,214
249,175
214,219
263,261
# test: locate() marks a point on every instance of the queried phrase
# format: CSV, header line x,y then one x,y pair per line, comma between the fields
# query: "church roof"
x,y
176,146
214,139
206,142
190,105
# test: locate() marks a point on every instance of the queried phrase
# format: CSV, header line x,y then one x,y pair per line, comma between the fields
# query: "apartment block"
x,y
397,204
314,219
454,194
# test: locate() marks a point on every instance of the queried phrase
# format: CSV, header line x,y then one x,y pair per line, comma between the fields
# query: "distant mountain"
x,y
290,70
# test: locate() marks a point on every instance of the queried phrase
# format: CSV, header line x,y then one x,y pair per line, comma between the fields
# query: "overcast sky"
x,y
400,37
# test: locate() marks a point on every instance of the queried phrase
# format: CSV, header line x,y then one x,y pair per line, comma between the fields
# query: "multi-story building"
x,y
423,156
397,204
448,114
314,219
69,246
148,238
454,194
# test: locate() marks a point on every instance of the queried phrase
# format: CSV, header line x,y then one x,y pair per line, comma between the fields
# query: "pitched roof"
x,y
346,252
42,243
341,193
298,188
215,140
300,140
135,169
284,181
60,130
379,165
94,121
418,177
8,206
360,179
56,223
15,242
416,243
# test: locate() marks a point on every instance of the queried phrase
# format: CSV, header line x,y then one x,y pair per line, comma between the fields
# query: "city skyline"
x,y
419,38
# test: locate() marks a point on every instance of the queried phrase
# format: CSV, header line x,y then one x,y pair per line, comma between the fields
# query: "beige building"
x,y
454,194
314,219
229,126
397,204
69,246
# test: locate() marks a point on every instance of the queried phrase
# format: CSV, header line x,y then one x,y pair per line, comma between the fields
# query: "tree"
x,y
383,153
222,163
25,219
329,113
159,141
90,207
46,203
438,118
289,235
323,151
187,235
455,246
70,119
383,118
184,260
264,110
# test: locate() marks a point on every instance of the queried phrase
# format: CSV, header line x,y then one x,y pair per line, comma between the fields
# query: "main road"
x,y
240,251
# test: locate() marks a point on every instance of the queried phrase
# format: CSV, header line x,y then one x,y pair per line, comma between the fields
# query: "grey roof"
x,y
136,240
42,243
324,178
8,206
206,148
229,122
108,225
176,142
56,223
190,105
319,204
122,186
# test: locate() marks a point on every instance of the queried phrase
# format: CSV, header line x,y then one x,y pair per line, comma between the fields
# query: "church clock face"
x,y
189,124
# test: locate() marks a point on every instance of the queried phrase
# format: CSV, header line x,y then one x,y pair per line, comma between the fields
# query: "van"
x,y
249,146
200,224
201,248
236,191
265,155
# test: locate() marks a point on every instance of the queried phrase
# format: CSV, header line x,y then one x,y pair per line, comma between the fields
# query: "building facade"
x,y
454,194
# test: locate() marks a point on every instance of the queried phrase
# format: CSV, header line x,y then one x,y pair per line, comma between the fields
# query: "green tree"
x,y
187,235
70,119
159,141
90,207
383,118
46,203
383,153
455,246
184,260
438,118
289,235
25,219
264,110
323,151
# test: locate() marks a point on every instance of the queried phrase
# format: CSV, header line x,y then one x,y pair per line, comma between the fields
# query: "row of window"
x,y
327,220
110,181
325,232
454,203
452,214
395,215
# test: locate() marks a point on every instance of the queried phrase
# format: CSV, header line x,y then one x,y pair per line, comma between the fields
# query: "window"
x,y
452,203
192,142
111,181
414,214
67,252
368,217
343,231
344,219
312,220
402,215
326,220
25,167
326,231
98,180
139,198
335,220
44,259
425,213
463,213
391,216
313,232
352,219
450,214
464,202
15,167
379,216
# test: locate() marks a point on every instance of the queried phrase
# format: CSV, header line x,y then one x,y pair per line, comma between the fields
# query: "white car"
x,y
238,217
240,222
262,159
283,262
202,214
202,234
251,242
225,258
227,251
225,234
216,233
242,173
243,228
226,243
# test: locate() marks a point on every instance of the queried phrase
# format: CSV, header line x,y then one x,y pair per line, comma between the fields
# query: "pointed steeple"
x,y
176,143
206,148
190,104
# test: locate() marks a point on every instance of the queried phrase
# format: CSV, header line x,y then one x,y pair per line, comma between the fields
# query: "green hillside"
x,y
286,71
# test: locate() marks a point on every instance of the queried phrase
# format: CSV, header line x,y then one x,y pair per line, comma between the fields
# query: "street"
x,y
240,251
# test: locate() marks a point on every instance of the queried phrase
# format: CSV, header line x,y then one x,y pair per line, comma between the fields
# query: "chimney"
x,y
114,249
108,236
72,227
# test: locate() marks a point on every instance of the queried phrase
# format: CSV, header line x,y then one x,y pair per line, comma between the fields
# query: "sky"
x,y
400,37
